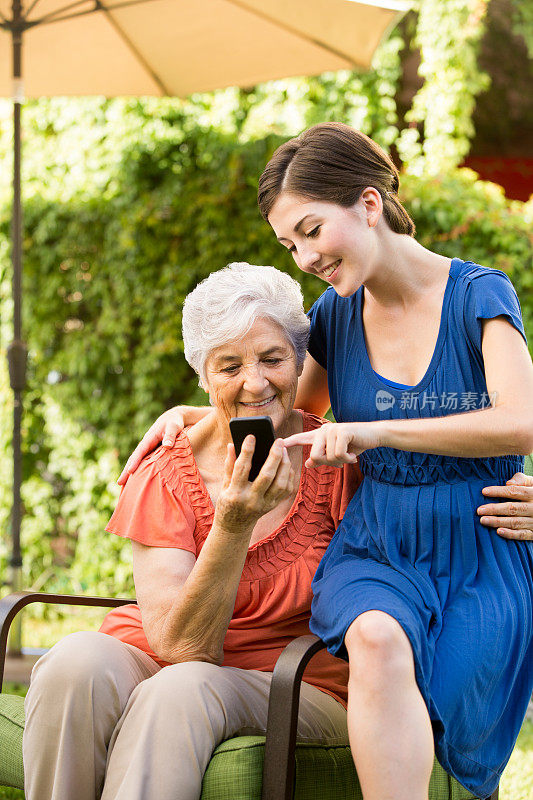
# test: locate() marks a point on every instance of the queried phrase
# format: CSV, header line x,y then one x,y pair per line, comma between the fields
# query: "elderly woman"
x,y
222,570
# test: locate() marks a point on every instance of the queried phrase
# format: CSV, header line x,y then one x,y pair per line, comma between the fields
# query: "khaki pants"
x,y
103,720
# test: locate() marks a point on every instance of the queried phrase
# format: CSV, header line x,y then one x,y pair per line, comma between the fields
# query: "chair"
x,y
274,767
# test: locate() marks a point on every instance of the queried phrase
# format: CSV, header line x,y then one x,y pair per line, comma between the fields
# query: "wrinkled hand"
x,y
512,518
241,502
165,429
336,443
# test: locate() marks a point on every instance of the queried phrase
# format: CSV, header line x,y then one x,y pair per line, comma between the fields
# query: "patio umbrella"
x,y
162,47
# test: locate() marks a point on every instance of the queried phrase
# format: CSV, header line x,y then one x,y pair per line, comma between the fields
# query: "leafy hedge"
x,y
104,281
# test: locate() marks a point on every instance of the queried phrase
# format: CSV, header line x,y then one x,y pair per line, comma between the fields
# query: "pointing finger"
x,y
300,438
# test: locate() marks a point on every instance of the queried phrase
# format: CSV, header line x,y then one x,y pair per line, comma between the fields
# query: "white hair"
x,y
224,306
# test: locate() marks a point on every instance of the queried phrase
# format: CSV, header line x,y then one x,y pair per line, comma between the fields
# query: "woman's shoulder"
x,y
155,508
483,293
175,466
481,277
181,450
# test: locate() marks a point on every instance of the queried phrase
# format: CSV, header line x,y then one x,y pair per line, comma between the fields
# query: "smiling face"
x,y
254,376
337,244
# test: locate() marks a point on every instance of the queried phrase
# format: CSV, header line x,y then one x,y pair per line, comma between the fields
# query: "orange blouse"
x,y
165,504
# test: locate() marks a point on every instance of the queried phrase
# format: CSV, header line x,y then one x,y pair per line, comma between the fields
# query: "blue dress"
x,y
411,543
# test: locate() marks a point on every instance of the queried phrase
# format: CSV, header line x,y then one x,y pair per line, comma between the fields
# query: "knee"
x,y
375,639
78,659
191,682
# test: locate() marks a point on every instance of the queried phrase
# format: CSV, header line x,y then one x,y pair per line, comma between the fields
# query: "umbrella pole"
x,y
17,351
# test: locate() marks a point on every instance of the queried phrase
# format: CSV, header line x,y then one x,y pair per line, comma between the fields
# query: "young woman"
x,y
434,613
432,609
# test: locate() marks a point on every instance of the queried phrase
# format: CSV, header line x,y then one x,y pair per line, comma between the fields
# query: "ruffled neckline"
x,y
304,523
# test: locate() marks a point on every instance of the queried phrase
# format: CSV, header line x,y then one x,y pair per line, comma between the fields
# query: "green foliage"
x,y
11,794
522,16
365,100
448,35
18,689
458,215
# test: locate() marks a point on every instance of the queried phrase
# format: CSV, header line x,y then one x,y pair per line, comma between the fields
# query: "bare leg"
x,y
388,722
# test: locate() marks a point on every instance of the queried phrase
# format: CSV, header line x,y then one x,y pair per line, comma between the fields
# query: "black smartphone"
x,y
263,430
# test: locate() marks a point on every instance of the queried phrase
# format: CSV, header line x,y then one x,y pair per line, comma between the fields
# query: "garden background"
x,y
128,203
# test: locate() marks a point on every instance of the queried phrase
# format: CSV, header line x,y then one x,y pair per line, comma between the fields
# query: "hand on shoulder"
x,y
165,429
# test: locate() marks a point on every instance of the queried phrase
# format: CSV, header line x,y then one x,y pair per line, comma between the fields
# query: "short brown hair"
x,y
334,163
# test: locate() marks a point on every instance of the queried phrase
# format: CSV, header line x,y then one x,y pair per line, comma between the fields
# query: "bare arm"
x,y
313,392
187,603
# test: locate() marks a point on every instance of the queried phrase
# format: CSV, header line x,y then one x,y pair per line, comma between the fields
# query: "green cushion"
x,y
11,728
322,773
234,772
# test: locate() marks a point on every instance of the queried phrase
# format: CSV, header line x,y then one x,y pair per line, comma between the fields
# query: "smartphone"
x,y
263,430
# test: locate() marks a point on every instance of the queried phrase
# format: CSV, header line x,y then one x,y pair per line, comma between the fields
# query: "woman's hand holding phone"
x,y
242,503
